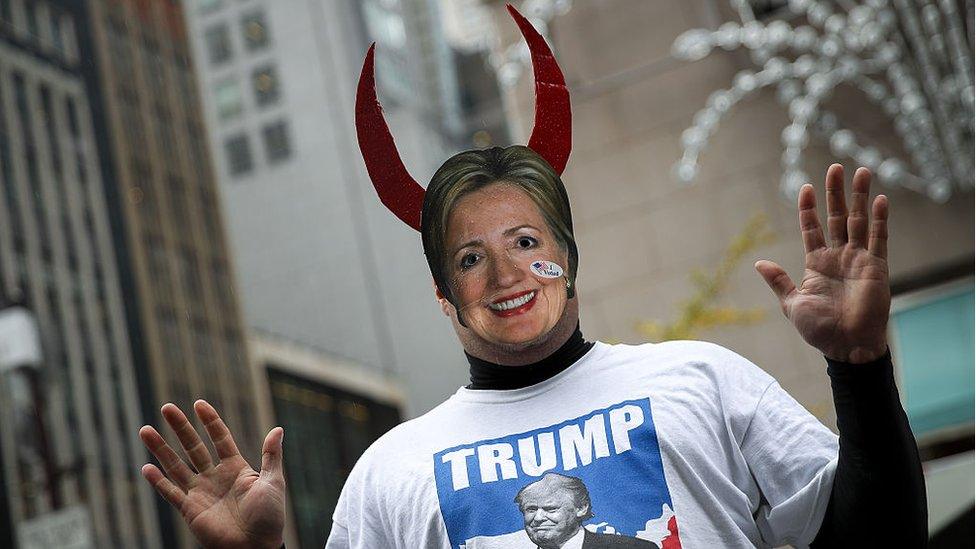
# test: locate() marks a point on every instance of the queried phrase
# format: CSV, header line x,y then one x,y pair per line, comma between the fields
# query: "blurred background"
x,y
185,214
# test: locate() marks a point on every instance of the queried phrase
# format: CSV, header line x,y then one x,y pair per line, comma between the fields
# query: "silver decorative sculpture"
x,y
912,58
512,61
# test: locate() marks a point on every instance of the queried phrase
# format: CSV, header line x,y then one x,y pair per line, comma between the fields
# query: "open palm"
x,y
841,305
227,505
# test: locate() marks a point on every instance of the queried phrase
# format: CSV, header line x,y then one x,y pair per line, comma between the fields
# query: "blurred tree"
x,y
700,312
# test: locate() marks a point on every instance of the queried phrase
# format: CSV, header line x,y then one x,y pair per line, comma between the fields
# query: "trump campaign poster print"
x,y
595,481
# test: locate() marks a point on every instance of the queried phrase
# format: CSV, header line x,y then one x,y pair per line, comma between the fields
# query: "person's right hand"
x,y
228,505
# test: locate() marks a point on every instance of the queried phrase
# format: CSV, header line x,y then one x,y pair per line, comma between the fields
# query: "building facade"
x,y
332,409
185,326
67,427
631,102
320,260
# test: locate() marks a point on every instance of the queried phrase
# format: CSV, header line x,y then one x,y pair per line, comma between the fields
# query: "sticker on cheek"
x,y
546,269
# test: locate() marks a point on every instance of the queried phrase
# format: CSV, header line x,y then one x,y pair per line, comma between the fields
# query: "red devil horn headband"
x,y
551,136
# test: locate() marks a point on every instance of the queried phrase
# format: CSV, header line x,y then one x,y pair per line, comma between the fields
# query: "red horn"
x,y
397,190
552,135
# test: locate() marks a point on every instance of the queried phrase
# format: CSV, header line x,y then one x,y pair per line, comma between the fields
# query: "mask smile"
x,y
514,304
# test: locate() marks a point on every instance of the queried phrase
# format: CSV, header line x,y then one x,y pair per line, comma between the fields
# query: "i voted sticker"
x,y
546,269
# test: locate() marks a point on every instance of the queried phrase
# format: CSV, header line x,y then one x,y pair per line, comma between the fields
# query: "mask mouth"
x,y
514,304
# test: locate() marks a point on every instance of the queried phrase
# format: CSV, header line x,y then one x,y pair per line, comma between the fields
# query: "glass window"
x,y
277,146
229,100
238,151
57,39
255,31
218,44
223,288
266,89
32,25
338,426
190,278
932,343
159,269
172,346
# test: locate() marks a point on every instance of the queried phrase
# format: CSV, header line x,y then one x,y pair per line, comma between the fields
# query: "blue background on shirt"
x,y
625,489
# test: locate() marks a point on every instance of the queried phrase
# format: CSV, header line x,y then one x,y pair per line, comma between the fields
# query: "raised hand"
x,y
841,305
228,505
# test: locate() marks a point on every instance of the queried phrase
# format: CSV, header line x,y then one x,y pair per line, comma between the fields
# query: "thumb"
x,y
272,452
778,281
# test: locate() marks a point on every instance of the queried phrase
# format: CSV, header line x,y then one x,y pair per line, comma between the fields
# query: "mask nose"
x,y
506,273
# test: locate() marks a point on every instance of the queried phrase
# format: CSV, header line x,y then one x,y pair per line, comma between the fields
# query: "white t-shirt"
x,y
684,443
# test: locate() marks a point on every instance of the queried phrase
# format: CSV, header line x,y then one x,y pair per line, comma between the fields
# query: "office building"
x,y
176,272
67,424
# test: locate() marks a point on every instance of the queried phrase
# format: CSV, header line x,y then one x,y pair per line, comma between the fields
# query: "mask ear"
x,y
446,306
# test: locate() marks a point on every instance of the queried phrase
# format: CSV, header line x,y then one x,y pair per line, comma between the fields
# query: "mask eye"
x,y
468,261
526,242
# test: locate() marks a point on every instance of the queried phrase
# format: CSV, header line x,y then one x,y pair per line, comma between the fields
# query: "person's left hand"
x,y
841,305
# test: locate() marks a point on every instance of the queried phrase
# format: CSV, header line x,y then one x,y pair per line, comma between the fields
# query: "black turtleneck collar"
x,y
488,375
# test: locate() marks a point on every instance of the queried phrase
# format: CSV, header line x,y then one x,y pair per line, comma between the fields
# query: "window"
x,y
171,343
179,207
203,350
385,25
190,278
7,178
69,40
265,81
159,269
218,44
336,426
276,144
238,152
57,39
223,288
211,216
255,31
932,343
30,156
228,96
33,28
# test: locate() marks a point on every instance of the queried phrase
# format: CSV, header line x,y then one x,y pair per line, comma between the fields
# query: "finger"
x,y
199,455
777,280
836,206
272,453
878,245
163,485
857,219
810,229
175,468
219,434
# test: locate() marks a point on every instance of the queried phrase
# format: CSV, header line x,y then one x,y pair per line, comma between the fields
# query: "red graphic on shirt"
x,y
672,541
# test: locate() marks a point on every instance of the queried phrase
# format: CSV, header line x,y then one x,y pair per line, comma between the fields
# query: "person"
x,y
554,509
682,443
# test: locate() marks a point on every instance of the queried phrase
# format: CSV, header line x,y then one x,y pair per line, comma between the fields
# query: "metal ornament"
x,y
912,59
